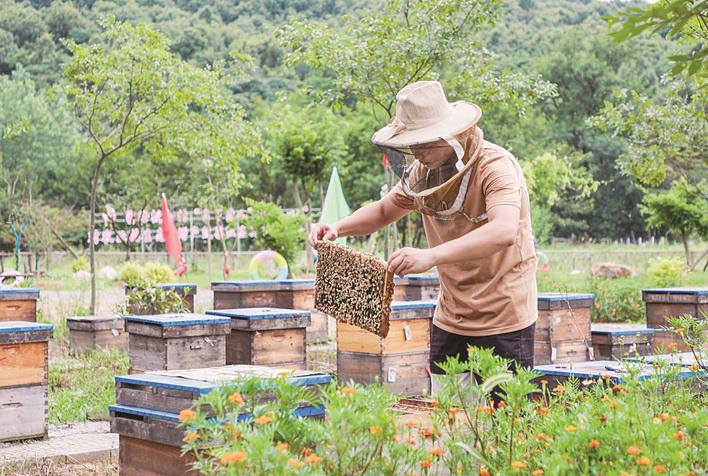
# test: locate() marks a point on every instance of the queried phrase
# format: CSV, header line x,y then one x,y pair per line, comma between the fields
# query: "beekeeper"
x,y
475,208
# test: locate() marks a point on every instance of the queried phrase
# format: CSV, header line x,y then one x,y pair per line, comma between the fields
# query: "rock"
x,y
611,270
82,276
108,273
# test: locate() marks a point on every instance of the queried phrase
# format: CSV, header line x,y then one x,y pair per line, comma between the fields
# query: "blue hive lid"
x,y
256,313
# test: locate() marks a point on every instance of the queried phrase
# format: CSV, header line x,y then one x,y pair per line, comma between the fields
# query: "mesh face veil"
x,y
436,175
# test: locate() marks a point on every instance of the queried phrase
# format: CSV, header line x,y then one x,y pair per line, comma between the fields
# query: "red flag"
x,y
169,233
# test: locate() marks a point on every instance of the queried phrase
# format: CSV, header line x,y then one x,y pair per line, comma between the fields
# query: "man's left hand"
x,y
410,261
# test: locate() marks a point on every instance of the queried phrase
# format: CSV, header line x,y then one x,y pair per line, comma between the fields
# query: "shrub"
x,y
80,264
145,298
131,274
617,300
667,271
158,273
276,230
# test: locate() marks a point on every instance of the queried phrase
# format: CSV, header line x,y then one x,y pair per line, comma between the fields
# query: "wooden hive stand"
x,y
176,341
664,302
563,328
424,287
296,294
266,336
400,361
618,341
146,413
94,332
23,379
188,291
19,304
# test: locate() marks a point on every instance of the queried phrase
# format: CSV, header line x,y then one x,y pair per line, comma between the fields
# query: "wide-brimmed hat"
x,y
423,115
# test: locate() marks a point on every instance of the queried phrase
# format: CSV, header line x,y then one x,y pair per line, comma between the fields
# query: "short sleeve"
x,y
501,182
400,199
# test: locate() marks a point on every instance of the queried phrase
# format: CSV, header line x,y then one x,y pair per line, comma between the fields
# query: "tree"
x,y
129,90
683,210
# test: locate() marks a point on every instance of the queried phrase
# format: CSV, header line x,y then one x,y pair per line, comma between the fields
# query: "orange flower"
x,y
434,403
559,388
660,468
542,410
437,452
544,382
542,437
663,416
312,458
671,347
426,463
410,424
484,472
537,472
679,436
191,436
633,450
643,461
409,441
374,430
613,403
282,446
605,376
263,420
602,418
593,444
348,390
693,367
619,388
518,464
233,457
454,411
427,432
305,451
185,416
295,463
570,428
501,404
236,398
487,410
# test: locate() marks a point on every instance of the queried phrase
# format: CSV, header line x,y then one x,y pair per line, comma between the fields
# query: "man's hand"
x,y
321,232
410,261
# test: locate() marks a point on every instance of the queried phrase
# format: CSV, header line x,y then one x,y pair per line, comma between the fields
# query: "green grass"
x,y
83,385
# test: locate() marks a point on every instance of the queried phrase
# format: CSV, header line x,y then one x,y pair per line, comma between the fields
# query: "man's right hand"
x,y
321,232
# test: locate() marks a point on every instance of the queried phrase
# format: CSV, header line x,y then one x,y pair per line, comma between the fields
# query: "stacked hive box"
x,y
664,302
266,336
296,294
23,379
424,287
618,341
188,291
563,328
19,304
400,361
147,410
176,341
93,332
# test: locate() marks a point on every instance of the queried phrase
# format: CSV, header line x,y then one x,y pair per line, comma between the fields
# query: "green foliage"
x,y
694,333
131,274
146,298
276,230
158,273
80,264
681,19
666,272
617,300
573,428
84,385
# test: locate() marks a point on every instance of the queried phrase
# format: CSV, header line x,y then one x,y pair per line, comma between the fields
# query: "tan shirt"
x,y
495,294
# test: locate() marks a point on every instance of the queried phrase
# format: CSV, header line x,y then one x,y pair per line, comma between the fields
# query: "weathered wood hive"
x,y
176,341
400,360
19,304
146,413
424,287
266,336
664,302
563,328
618,341
23,379
94,332
285,294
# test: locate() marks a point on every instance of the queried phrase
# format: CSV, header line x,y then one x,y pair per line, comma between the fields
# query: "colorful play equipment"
x,y
268,264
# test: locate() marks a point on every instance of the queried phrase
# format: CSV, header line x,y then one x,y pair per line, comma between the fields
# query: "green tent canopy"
x,y
335,206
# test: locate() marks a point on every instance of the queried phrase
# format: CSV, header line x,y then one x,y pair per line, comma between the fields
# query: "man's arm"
x,y
498,233
364,221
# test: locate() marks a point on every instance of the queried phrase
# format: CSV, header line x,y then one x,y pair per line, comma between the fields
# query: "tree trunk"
x,y
684,239
92,227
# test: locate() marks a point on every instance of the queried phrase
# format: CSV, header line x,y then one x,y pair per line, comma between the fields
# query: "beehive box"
x,y
296,294
94,332
176,341
19,304
663,302
147,410
424,287
188,291
563,328
618,341
596,369
23,379
266,336
684,359
400,360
